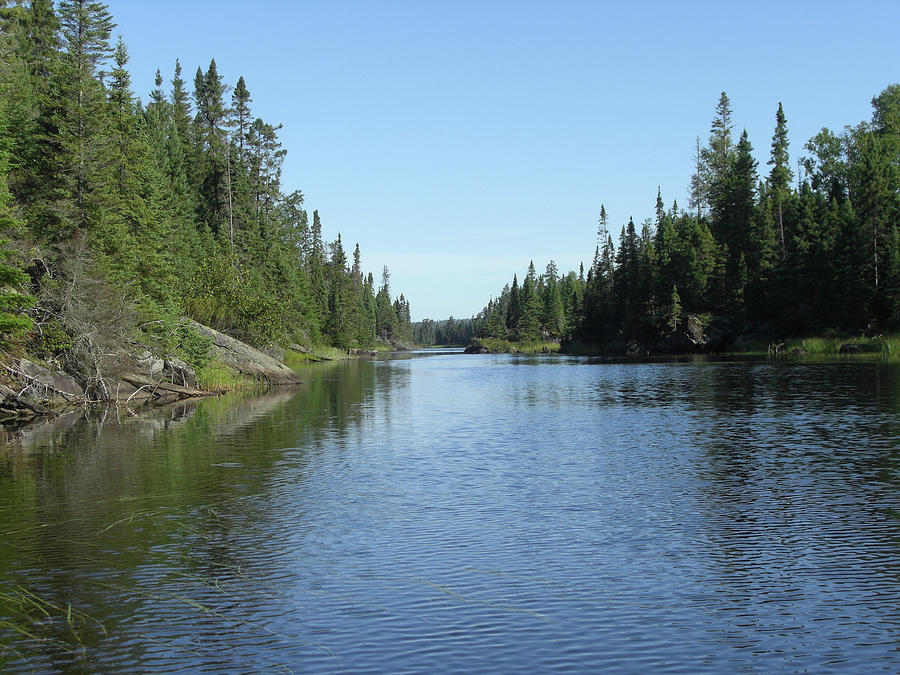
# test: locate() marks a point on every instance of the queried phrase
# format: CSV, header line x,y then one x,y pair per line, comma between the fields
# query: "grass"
x,y
295,359
216,376
877,346
824,346
496,345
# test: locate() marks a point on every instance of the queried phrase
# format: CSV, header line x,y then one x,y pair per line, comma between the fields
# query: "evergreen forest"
x,y
760,251
121,217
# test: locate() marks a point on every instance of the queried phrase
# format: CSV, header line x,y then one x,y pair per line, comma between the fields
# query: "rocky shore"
x,y
34,390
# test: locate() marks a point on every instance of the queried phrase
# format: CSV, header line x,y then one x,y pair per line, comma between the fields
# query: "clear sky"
x,y
456,141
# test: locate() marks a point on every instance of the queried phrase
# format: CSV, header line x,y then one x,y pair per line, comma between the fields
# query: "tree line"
x,y
152,212
765,254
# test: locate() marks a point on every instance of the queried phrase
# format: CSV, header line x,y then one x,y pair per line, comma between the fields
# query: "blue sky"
x,y
456,141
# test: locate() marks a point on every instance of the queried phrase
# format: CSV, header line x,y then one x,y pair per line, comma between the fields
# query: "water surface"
x,y
453,513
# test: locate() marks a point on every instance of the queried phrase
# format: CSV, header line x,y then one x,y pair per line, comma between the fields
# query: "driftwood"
x,y
161,392
14,405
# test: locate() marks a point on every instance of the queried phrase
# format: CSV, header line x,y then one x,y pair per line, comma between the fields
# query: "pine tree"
x,y
340,321
317,267
738,215
514,311
626,280
528,328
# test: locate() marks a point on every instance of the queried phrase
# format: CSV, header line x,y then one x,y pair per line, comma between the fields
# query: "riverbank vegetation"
x,y
760,255
499,346
121,217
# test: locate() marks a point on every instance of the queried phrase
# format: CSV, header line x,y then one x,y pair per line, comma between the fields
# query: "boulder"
x,y
179,372
48,384
150,365
633,349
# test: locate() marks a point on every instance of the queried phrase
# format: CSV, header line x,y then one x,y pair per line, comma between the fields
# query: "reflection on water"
x,y
464,513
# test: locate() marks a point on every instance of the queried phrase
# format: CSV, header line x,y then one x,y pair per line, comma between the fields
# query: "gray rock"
x,y
179,372
149,364
274,351
633,349
245,359
57,382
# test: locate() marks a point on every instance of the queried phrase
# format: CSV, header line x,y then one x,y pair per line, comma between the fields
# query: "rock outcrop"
x,y
245,359
35,390
44,384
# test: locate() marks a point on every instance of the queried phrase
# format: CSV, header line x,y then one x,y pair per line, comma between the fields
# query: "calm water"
x,y
452,513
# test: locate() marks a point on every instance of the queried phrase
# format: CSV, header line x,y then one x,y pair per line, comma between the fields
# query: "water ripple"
x,y
460,514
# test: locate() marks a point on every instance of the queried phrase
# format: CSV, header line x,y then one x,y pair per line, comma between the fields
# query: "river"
x,y
450,513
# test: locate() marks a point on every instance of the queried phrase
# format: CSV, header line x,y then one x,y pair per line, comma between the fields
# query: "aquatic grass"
x,y
34,617
500,346
208,610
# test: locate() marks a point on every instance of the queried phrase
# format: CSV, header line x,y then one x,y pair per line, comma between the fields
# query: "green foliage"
x,y
759,255
216,376
53,339
178,207
498,346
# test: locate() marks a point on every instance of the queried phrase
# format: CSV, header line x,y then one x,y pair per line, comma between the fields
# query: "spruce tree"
x,y
385,316
210,161
780,176
12,302
514,312
240,114
85,27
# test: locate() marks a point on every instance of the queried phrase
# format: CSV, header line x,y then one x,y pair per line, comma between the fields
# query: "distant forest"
x,y
125,217
770,256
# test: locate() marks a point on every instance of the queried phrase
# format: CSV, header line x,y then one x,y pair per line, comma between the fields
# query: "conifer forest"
x,y
769,252
123,214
